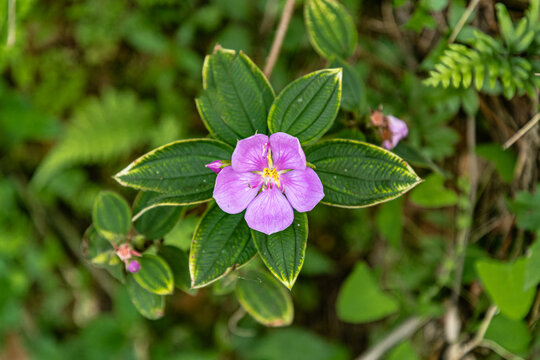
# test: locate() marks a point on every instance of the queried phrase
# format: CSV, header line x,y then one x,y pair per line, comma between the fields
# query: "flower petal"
x,y
235,190
398,129
286,152
303,188
269,212
250,154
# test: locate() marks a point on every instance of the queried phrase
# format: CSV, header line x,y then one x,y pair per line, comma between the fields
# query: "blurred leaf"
x,y
236,97
504,284
307,107
155,275
360,300
356,174
526,207
111,216
389,221
264,298
177,169
181,235
513,335
434,5
98,251
179,264
283,252
504,160
415,156
403,351
353,92
221,241
156,222
151,306
316,263
330,27
532,269
432,193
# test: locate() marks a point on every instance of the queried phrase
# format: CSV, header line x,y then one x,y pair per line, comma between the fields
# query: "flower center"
x,y
270,176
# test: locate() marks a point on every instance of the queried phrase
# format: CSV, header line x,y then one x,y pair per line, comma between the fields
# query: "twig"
x,y
499,350
403,331
233,324
463,20
490,313
278,40
528,126
12,22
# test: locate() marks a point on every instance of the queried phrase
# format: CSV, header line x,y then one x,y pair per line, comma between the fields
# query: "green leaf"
x,y
264,298
283,252
236,98
177,169
99,252
221,241
389,221
532,270
149,305
432,193
157,221
504,284
513,335
505,23
111,216
353,92
179,264
360,300
356,174
307,107
330,27
155,275
504,161
526,207
403,351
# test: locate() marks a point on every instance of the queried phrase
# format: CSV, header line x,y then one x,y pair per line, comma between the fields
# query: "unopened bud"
x,y
134,266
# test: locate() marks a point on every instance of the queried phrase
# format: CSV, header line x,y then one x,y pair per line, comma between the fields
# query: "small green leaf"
x,y
149,305
264,298
283,252
330,27
505,22
526,207
432,193
177,169
353,92
111,216
356,174
236,98
389,221
532,270
221,241
360,300
155,275
179,264
403,351
513,335
157,221
99,251
504,284
504,161
307,107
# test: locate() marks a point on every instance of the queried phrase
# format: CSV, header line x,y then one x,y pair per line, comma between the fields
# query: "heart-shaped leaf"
x,y
264,298
330,27
221,241
177,169
236,97
155,275
111,216
283,252
357,174
157,221
307,107
149,305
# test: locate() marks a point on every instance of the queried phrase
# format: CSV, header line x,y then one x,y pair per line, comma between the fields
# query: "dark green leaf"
x,y
177,169
264,298
504,161
389,221
155,275
526,207
111,216
330,27
353,92
150,305
157,221
179,263
283,252
307,107
221,241
360,299
236,98
99,251
357,174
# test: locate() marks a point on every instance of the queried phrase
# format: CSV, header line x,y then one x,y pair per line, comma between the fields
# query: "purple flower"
x,y
398,130
268,177
134,266
215,166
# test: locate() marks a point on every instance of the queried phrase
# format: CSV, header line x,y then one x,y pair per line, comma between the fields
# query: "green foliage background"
x,y
88,85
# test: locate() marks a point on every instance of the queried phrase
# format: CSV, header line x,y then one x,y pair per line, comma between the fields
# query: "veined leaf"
x,y
177,169
111,216
330,27
221,241
357,174
155,275
179,263
353,92
156,222
236,98
264,298
149,305
99,252
283,252
307,107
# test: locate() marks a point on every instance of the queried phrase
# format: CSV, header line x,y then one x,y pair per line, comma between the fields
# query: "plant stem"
x,y
528,126
278,40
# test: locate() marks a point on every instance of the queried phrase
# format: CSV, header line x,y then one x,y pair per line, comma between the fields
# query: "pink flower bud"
x,y
215,166
134,266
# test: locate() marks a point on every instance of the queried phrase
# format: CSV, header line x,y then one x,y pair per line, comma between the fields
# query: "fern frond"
x,y
101,130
